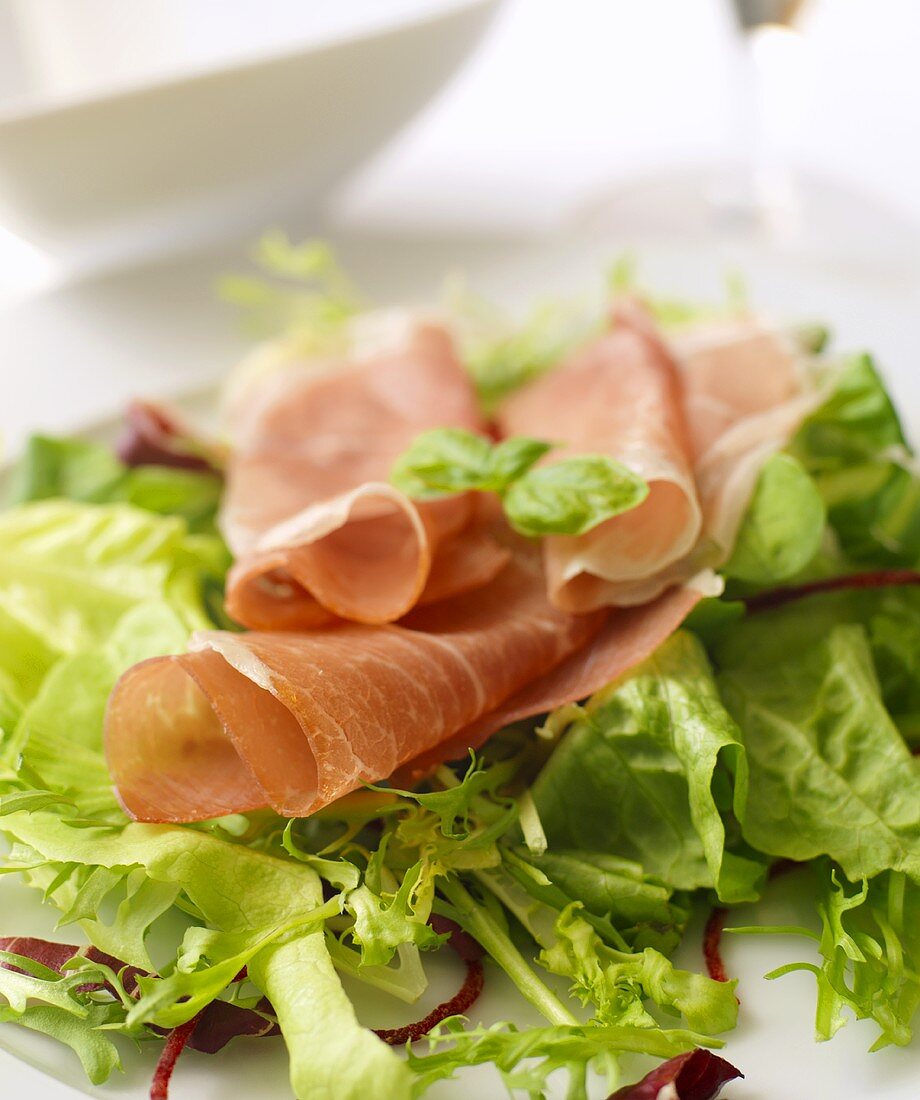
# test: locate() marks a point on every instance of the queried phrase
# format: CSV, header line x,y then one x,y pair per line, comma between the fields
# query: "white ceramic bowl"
x,y
113,129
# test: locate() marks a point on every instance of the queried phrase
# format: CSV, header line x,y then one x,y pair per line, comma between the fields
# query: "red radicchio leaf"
x,y
222,1021
882,578
471,953
175,1043
712,945
155,436
698,1075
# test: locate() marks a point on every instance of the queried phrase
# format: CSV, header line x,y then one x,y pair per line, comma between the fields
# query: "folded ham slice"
x,y
317,530
628,636
621,397
295,720
695,417
746,391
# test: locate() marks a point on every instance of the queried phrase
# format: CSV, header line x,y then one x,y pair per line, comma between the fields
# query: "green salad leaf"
x,y
79,470
503,354
301,291
617,983
69,571
783,527
829,772
73,468
527,1058
855,449
641,907
257,901
650,772
870,954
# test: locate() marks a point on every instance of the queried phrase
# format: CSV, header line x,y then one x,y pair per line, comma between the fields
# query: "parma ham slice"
x,y
696,418
317,530
295,720
628,636
621,397
746,391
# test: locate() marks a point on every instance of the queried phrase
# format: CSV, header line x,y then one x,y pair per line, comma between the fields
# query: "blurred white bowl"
x,y
130,125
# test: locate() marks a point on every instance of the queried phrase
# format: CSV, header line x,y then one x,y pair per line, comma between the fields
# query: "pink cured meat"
x,y
317,530
696,417
295,720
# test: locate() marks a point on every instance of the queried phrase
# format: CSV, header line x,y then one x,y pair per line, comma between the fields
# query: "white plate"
x,y
111,337
166,131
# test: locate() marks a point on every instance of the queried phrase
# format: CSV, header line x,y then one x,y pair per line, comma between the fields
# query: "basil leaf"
x,y
572,496
454,460
513,457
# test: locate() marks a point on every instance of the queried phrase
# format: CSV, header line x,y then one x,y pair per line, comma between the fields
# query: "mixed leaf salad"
x,y
775,730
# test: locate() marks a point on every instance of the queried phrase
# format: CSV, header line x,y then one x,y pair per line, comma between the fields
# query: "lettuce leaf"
x,y
648,771
829,772
855,449
617,983
526,1059
502,354
85,592
870,954
642,908
256,901
300,290
71,468
76,469
69,571
783,527
855,423
59,733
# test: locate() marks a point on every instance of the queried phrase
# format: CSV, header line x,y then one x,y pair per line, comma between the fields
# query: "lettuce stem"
x,y
482,926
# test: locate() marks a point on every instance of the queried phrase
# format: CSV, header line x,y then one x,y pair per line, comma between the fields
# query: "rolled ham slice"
x,y
317,530
746,391
295,720
696,417
619,397
628,636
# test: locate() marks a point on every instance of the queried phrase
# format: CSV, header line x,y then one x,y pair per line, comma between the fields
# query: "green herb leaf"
x,y
453,460
572,496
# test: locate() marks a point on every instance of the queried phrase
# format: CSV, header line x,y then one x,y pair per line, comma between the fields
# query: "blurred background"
x,y
145,143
